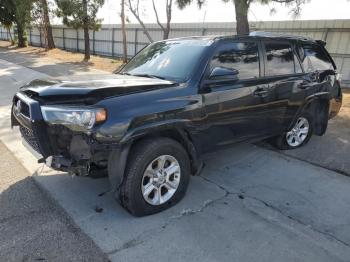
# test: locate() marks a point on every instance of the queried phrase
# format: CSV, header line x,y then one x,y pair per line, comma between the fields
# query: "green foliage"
x,y
183,3
22,11
72,13
7,13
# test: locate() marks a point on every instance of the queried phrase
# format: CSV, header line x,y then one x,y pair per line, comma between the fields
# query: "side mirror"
x,y
223,73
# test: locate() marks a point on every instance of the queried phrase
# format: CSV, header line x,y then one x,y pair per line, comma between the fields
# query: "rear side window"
x,y
279,59
242,56
313,58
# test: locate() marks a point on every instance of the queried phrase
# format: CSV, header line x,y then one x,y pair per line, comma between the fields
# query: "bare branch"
x,y
157,18
135,12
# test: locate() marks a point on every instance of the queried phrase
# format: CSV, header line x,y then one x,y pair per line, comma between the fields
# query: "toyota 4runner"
x,y
149,124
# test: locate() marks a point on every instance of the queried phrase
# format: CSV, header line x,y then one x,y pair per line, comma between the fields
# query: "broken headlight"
x,y
73,117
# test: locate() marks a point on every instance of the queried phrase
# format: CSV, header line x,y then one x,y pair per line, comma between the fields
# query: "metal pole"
x,y
77,40
64,42
326,35
30,36
93,42
135,40
113,32
41,42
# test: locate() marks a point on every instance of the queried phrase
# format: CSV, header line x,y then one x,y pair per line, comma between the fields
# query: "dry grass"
x,y
96,62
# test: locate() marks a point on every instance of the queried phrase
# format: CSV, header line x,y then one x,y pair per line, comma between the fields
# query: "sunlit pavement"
x,y
249,204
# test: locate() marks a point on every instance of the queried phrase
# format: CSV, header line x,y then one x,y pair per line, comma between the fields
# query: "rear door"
x,y
283,75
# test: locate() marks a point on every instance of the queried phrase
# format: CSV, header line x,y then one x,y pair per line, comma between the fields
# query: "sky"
x,y
217,11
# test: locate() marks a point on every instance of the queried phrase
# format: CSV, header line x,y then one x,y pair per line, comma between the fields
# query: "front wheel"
x,y
156,176
298,135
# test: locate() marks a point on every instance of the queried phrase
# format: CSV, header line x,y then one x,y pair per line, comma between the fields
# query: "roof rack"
x,y
279,35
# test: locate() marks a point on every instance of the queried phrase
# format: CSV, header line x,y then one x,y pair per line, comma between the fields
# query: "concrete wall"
x,y
108,42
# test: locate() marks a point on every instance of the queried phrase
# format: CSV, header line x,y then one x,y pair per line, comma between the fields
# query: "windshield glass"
x,y
171,60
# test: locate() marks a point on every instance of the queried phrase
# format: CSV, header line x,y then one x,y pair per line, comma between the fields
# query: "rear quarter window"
x,y
313,57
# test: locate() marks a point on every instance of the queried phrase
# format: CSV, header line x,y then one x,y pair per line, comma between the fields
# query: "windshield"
x,y
171,60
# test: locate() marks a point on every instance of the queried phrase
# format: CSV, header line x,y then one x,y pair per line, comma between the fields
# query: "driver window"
x,y
242,56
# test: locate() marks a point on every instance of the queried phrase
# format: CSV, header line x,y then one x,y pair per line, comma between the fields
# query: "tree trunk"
x,y
21,36
9,32
241,8
47,26
169,6
122,16
86,32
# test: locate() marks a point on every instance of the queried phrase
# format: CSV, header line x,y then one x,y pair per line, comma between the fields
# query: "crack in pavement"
x,y
242,196
208,203
185,212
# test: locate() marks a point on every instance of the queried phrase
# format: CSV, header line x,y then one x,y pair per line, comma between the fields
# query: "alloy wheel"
x,y
299,132
161,180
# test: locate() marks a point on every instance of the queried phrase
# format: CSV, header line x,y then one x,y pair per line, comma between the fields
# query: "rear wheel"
x,y
156,176
298,135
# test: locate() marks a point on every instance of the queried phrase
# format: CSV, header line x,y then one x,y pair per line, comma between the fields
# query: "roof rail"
x,y
279,35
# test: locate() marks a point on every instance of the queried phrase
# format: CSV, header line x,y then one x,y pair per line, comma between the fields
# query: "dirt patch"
x,y
96,62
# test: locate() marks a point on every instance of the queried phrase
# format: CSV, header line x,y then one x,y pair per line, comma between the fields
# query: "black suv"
x,y
149,124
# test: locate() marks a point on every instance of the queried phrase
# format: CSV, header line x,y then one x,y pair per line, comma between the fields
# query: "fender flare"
x,y
118,157
320,125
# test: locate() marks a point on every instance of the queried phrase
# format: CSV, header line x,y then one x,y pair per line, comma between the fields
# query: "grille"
x,y
30,138
22,107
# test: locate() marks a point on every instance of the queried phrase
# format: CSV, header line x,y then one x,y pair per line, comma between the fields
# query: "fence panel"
x,y
108,41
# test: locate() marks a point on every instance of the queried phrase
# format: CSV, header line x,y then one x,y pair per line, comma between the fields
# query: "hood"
x,y
97,87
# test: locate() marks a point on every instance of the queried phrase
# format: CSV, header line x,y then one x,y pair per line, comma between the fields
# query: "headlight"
x,y
72,117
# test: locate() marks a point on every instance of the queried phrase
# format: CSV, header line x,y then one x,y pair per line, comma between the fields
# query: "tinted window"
x,y
174,60
242,56
313,58
279,59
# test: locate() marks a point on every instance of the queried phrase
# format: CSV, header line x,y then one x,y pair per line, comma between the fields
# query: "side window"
x,y
242,56
279,59
313,58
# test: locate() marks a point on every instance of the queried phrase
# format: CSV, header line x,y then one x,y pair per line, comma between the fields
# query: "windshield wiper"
x,y
148,75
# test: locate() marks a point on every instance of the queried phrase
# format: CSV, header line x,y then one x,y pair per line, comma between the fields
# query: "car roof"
x,y
252,35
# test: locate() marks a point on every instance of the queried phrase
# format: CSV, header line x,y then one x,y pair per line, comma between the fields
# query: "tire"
x,y
151,154
283,143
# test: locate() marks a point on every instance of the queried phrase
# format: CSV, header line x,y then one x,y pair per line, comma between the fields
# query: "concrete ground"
x,y
32,227
249,204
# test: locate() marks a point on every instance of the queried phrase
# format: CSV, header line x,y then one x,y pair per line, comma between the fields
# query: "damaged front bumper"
x,y
57,146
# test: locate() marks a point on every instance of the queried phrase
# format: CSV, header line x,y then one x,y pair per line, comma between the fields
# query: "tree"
x,y
134,7
7,15
22,17
40,14
80,14
168,10
50,44
242,8
135,10
122,17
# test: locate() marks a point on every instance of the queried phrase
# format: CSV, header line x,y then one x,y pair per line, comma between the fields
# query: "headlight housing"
x,y
80,119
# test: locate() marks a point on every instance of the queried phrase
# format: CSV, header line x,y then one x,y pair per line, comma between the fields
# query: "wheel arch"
x,y
318,106
173,131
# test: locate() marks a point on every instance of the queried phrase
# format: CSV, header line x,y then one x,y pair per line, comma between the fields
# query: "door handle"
x,y
303,85
260,91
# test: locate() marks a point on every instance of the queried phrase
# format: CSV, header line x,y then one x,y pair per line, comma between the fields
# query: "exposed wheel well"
x,y
319,109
